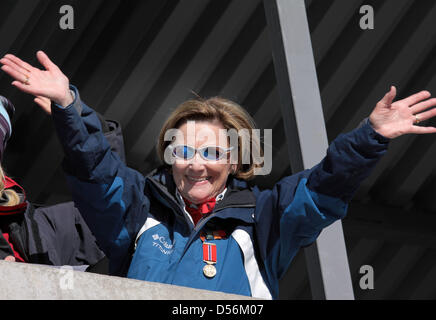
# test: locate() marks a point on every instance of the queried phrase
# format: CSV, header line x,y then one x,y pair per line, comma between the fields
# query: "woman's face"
x,y
198,179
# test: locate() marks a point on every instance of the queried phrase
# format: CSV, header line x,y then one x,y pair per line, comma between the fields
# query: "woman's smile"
x,y
198,180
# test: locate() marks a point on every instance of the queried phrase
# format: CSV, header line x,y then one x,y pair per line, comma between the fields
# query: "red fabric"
x,y
209,252
19,208
9,183
16,254
9,210
197,211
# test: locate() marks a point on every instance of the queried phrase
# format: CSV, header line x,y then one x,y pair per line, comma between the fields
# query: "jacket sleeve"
x,y
108,194
301,205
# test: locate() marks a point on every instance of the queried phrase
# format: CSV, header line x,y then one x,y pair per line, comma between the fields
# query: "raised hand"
x,y
50,83
393,119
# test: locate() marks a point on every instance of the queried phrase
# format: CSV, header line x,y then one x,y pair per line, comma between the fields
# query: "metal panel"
x,y
306,135
230,23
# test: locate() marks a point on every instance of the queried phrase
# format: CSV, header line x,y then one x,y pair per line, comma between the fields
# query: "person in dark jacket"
x,y
195,221
52,235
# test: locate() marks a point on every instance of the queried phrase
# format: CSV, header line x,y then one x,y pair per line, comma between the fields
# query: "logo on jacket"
x,y
161,243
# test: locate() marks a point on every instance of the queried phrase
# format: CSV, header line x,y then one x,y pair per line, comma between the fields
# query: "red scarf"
x,y
10,210
197,211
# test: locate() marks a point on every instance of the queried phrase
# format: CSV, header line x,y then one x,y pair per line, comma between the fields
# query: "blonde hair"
x,y
12,197
230,114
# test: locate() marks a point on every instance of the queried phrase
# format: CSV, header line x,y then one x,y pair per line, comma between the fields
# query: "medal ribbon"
x,y
209,249
209,252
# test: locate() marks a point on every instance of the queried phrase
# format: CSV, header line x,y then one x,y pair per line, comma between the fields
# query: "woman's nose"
x,y
197,161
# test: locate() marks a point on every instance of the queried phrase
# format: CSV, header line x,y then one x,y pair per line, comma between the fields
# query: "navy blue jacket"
x,y
147,234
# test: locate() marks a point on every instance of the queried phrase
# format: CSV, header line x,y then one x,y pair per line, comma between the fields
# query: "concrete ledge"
x,y
37,282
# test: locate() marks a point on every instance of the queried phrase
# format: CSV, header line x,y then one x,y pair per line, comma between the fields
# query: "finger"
x,y
13,65
389,96
25,88
14,73
45,100
422,130
419,107
44,103
426,115
19,62
45,60
415,98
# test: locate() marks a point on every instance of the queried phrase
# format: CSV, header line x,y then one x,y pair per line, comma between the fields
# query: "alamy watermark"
x,y
367,20
367,280
66,278
67,20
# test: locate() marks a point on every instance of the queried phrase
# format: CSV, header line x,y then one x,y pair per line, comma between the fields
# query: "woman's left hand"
x,y
394,119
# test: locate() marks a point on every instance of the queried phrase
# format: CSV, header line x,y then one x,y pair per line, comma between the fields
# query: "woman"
x,y
52,235
195,221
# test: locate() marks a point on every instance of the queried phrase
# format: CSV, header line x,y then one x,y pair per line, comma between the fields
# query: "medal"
x,y
209,256
209,251
209,270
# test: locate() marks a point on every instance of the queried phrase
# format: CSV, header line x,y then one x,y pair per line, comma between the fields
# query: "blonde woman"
x,y
195,221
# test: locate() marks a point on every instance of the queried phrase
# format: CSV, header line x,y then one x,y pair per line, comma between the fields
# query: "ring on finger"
x,y
26,80
417,119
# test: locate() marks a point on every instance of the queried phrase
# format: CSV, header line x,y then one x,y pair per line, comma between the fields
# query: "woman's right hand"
x,y
50,83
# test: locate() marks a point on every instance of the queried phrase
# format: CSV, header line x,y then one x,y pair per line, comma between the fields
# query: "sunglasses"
x,y
209,153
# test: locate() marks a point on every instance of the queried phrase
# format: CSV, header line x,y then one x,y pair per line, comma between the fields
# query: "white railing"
x,y
36,282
